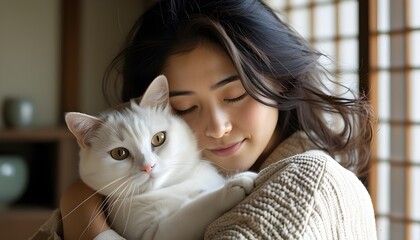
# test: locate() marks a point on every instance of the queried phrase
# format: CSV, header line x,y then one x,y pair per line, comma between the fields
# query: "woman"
x,y
253,92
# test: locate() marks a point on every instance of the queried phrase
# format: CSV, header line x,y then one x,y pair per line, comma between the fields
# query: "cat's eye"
x,y
158,139
119,153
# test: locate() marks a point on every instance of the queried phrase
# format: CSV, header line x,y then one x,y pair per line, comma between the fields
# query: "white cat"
x,y
146,161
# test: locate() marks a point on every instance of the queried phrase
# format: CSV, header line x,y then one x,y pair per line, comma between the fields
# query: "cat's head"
x,y
140,146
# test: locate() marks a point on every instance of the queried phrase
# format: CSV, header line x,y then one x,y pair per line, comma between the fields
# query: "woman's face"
x,y
232,128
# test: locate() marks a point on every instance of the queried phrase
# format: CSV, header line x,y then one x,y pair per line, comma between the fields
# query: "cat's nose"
x,y
147,168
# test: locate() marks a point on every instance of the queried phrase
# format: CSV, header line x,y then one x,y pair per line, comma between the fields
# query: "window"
x,y
387,63
395,75
331,27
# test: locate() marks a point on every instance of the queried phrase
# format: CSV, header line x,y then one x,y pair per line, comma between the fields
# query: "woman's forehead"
x,y
205,63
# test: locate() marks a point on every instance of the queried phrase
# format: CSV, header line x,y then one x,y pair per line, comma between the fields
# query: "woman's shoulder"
x,y
339,197
310,160
307,168
315,170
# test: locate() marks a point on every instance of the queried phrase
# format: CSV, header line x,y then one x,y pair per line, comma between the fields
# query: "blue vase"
x,y
13,179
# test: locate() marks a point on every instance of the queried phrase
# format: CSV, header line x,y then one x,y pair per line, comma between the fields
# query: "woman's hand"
x,y
81,211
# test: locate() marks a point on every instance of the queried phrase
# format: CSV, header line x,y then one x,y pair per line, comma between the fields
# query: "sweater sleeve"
x,y
306,196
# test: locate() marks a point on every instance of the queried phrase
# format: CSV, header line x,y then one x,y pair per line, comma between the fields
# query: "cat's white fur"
x,y
179,194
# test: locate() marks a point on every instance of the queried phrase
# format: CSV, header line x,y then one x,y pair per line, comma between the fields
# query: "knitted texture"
x,y
306,196
342,209
280,205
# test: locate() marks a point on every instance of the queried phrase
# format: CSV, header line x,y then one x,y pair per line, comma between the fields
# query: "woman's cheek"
x,y
258,120
250,114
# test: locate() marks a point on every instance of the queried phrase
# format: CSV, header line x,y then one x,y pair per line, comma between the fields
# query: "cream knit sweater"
x,y
304,196
300,193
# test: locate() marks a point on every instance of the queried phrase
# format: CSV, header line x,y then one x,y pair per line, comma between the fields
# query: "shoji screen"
x,y
395,77
330,26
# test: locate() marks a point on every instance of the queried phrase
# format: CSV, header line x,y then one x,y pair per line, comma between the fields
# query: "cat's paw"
x,y
237,188
244,180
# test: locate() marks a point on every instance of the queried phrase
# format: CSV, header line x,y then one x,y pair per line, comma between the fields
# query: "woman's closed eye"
x,y
237,99
184,111
228,100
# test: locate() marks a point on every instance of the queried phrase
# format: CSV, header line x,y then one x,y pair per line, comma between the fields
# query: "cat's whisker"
x,y
95,214
80,204
98,209
124,192
129,209
127,189
110,205
84,201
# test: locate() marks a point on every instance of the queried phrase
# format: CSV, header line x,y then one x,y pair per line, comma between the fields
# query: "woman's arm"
x,y
82,214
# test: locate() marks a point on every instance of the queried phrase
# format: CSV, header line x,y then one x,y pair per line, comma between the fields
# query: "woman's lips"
x,y
228,150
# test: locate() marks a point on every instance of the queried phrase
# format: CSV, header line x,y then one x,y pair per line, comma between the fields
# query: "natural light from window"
x,y
332,26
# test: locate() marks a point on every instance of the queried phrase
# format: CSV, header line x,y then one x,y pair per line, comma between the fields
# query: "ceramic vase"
x,y
13,179
18,113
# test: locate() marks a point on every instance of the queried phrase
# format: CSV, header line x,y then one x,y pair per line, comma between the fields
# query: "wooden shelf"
x,y
52,157
21,222
43,134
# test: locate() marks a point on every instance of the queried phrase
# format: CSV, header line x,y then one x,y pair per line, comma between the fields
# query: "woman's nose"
x,y
218,123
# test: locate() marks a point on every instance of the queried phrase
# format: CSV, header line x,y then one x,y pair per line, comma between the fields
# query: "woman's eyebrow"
x,y
219,84
225,81
179,93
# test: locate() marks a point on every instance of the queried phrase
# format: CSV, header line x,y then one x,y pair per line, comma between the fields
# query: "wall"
x,y
105,24
30,51
29,54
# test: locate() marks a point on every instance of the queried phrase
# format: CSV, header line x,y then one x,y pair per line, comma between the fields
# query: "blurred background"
x,y
43,42
53,53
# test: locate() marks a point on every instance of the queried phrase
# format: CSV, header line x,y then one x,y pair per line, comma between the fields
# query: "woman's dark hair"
x,y
272,60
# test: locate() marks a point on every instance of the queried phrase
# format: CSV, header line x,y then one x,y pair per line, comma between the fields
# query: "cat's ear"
x,y
157,94
82,126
